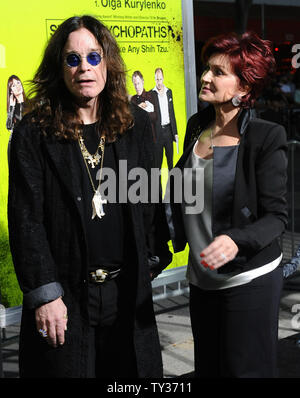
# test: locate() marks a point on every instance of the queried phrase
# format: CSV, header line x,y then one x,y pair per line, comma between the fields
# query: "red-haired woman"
x,y
233,269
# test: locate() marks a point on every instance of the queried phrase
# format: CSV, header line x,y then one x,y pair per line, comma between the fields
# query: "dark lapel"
x,y
120,148
64,158
169,97
240,186
158,121
185,155
241,165
126,152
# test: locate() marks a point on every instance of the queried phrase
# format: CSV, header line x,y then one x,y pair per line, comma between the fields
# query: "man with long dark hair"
x,y
84,263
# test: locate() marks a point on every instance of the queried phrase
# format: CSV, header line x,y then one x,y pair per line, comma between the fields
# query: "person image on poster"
x,y
144,99
166,127
15,105
15,101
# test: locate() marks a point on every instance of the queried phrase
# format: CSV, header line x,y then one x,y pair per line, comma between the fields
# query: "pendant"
x,y
97,204
94,160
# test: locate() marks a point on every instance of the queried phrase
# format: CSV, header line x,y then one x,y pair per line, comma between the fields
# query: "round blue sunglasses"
x,y
74,59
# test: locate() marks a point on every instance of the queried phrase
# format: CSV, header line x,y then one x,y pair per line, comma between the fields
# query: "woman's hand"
x,y
222,250
51,319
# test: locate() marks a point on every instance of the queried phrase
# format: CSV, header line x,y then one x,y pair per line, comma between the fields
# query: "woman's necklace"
x,y
97,201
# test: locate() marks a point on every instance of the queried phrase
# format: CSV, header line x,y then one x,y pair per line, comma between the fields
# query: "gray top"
x,y
198,226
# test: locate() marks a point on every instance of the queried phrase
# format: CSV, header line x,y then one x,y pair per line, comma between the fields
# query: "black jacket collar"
x,y
198,122
207,115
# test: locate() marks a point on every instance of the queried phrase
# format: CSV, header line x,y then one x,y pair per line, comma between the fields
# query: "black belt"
x,y
101,275
165,126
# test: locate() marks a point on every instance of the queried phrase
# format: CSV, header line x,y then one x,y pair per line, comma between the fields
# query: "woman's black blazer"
x,y
259,207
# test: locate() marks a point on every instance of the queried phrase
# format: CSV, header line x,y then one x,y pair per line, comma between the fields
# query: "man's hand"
x,y
143,105
52,318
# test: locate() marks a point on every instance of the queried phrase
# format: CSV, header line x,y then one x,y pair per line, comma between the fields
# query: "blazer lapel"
x,y
64,159
185,155
126,155
126,158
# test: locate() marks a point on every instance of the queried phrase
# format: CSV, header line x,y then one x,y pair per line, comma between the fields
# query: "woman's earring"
x,y
236,100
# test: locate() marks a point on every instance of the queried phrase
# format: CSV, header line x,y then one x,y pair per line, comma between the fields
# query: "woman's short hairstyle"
x,y
251,59
54,107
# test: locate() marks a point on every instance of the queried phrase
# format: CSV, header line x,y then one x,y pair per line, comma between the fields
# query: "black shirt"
x,y
105,236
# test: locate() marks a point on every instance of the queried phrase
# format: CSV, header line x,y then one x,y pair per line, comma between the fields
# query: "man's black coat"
x,y
49,249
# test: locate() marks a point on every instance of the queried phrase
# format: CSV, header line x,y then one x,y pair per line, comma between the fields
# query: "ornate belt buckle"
x,y
100,275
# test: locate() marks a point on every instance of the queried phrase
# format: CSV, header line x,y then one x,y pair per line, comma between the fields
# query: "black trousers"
x,y
236,330
111,351
164,140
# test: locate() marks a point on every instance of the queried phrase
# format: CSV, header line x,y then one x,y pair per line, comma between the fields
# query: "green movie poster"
x,y
149,34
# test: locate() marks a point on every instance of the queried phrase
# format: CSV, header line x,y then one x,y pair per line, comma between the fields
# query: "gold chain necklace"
x,y
93,160
97,201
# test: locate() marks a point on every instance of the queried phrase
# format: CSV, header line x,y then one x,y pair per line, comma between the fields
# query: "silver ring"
x,y
43,332
223,256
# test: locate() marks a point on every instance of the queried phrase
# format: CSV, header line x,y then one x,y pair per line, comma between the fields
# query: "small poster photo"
x,y
15,102
158,102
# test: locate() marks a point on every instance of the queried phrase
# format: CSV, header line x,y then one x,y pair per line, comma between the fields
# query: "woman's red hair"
x,y
251,59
